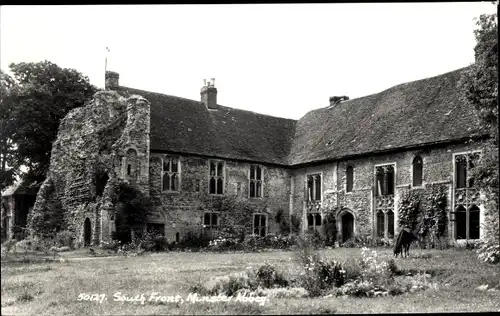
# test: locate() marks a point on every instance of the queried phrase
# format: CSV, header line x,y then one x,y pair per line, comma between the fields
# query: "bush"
x,y
232,284
267,276
358,242
318,275
64,238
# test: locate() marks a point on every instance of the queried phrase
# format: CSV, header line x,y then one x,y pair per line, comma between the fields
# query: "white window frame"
x,y
253,223
261,180
179,172
217,176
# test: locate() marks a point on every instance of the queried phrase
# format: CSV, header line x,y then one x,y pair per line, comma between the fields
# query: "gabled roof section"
x,y
187,126
411,114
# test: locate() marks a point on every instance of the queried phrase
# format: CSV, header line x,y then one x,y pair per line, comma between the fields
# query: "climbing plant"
x,y
132,209
409,209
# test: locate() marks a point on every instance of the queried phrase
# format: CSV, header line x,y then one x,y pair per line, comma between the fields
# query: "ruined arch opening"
x,y
101,180
87,232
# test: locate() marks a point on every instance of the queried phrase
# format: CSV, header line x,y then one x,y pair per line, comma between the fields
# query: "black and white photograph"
x,y
247,159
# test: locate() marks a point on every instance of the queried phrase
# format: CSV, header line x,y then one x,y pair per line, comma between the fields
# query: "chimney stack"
x,y
209,94
112,80
337,99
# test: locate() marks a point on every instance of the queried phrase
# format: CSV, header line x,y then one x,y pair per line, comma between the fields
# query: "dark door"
x,y
87,232
347,226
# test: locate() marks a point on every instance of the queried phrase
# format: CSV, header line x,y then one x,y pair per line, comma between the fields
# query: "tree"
x,y
40,95
479,88
7,88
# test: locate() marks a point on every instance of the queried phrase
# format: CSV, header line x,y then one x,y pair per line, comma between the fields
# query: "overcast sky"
x,y
277,59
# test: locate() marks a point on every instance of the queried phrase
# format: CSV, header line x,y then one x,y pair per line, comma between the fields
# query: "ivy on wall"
x,y
409,209
429,222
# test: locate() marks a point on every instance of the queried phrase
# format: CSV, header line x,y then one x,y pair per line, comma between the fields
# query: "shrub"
x,y
318,275
232,284
224,244
289,292
267,276
113,245
64,238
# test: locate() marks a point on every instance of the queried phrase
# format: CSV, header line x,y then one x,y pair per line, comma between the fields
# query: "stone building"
x,y
356,158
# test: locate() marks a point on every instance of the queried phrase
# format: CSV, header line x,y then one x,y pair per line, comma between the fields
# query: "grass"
x,y
37,287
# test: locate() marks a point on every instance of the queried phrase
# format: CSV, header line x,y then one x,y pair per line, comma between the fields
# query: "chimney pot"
x,y
337,99
209,95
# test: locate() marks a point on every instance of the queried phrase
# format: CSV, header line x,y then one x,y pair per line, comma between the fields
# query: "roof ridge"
x,y
224,106
391,88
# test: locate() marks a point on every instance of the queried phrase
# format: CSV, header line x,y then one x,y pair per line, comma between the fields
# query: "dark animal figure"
x,y
403,242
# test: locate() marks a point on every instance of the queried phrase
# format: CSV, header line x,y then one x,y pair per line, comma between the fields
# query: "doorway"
x,y
347,226
87,232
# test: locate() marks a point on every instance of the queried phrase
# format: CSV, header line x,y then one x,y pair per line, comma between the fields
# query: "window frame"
x,y
250,180
217,176
421,172
179,173
211,227
266,227
314,227
347,179
375,177
454,174
321,186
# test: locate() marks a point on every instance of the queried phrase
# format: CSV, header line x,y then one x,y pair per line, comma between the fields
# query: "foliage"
x,y
330,228
64,238
434,220
408,209
232,284
7,127
295,224
317,274
479,89
39,96
132,211
267,276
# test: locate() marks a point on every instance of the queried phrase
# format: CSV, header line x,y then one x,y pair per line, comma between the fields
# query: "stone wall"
x,y
183,211
437,170
91,154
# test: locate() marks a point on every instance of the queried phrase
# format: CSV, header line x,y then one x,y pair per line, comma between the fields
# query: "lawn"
x,y
54,287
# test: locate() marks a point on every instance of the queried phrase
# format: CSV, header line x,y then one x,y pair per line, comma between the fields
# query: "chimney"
x,y
209,95
112,80
337,99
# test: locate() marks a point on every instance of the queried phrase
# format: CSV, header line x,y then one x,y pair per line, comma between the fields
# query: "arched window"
x,y
349,178
131,163
474,222
390,223
417,171
461,222
380,224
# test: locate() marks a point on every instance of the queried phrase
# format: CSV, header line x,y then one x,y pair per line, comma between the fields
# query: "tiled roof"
x,y
183,125
410,114
420,112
